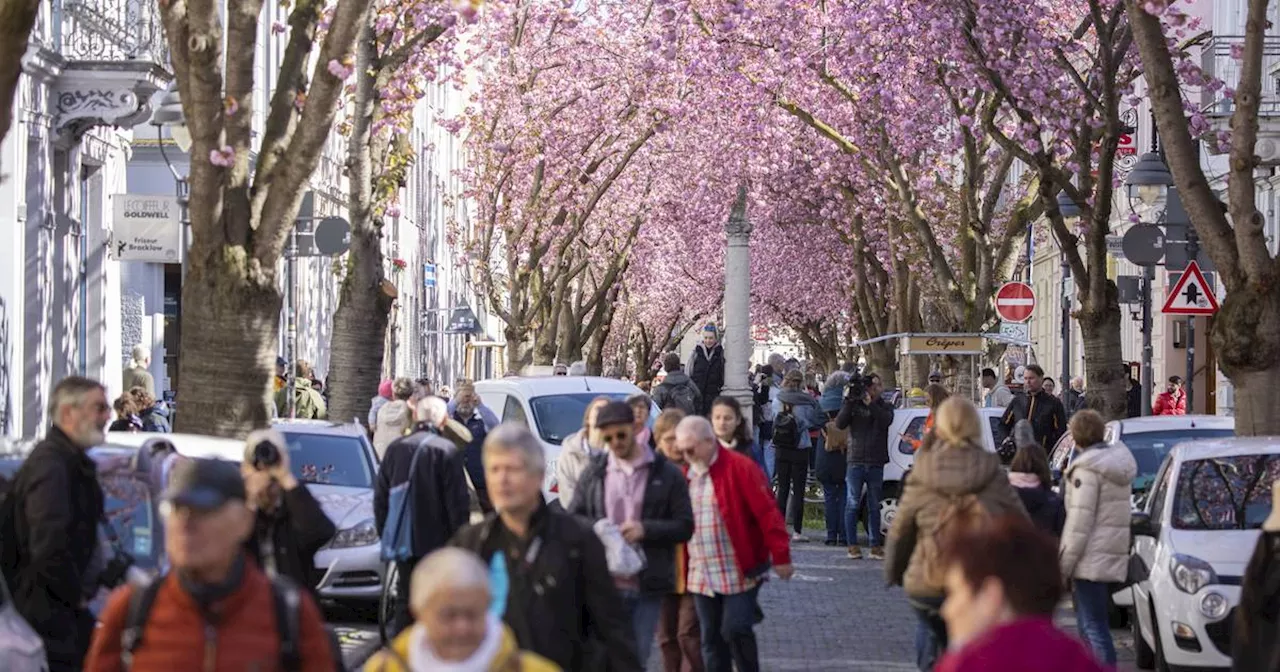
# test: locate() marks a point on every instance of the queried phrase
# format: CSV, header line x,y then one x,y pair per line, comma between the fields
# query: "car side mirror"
x,y
1141,526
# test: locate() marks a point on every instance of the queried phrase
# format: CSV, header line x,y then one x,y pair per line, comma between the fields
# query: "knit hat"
x,y
711,329
384,389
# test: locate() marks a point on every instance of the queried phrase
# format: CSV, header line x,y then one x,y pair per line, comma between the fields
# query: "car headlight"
x,y
1214,605
1190,574
363,533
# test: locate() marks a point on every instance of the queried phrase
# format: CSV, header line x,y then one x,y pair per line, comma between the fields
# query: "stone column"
x,y
737,304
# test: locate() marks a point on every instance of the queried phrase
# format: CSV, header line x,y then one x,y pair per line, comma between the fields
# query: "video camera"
x,y
857,386
265,455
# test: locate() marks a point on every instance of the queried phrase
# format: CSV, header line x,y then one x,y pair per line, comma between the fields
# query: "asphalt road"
x,y
357,630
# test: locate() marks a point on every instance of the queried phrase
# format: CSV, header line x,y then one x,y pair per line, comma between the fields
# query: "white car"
x,y
337,464
552,407
1192,541
902,454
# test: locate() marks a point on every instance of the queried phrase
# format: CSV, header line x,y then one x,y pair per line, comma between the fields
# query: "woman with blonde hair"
x,y
955,483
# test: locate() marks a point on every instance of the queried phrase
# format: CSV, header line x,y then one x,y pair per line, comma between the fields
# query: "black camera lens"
x,y
265,454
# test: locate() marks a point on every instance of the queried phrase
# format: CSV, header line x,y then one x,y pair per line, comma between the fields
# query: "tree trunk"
x,y
519,354
231,352
1100,330
880,360
544,348
360,323
1246,341
17,18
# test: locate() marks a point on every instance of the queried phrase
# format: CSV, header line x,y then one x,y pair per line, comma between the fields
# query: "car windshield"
x,y
1225,493
1150,448
130,511
329,459
559,415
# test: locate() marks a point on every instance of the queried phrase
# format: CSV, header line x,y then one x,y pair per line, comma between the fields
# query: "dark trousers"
x,y
728,631
791,481
402,619
834,494
931,631
679,637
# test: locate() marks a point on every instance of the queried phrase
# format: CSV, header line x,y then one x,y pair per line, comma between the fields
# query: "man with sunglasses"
x,y
645,495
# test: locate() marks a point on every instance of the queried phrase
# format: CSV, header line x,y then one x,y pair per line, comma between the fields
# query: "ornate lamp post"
x,y
737,304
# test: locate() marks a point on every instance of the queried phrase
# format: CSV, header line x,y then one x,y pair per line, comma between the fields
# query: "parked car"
x,y
336,462
1192,541
902,454
552,407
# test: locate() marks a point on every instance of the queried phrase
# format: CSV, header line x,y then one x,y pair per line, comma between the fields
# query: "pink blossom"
x,y
277,27
340,69
225,157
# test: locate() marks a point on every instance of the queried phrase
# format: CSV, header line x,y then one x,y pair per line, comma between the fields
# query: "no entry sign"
x,y
1015,301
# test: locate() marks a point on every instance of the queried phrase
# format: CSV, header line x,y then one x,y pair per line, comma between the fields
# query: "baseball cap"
x,y
204,484
615,413
281,361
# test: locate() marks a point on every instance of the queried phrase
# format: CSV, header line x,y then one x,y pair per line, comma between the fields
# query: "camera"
x,y
266,455
857,387
116,570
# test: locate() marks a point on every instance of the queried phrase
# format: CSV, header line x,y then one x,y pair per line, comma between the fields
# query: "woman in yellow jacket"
x,y
454,628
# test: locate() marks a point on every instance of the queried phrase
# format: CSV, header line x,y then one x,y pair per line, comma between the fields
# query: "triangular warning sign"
x,y
1191,294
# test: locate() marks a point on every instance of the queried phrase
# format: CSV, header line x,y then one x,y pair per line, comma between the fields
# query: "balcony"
x,y
105,60
1216,62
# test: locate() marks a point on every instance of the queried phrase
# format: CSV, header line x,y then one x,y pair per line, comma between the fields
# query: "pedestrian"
x,y
576,450
127,419
217,610
829,463
1173,401
280,379
1050,386
955,482
1030,477
136,374
289,524
152,414
454,627
1002,586
679,637
733,431
794,414
1073,399
441,500
647,499
737,531
706,368
467,408
934,395
1095,542
1133,394
1254,641
1048,419
640,405
559,578
762,394
307,402
867,418
395,417
998,394
50,521
677,390
385,394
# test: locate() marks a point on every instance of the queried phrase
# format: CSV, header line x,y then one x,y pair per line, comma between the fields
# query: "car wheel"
x,y
888,511
388,601
1145,657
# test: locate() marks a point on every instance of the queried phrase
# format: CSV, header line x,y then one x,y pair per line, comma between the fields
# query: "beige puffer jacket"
x,y
1095,542
941,474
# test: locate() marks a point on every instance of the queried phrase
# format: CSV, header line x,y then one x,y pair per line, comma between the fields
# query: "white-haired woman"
x,y
455,628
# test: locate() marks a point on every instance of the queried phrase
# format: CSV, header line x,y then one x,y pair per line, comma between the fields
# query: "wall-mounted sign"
x,y
146,228
943,345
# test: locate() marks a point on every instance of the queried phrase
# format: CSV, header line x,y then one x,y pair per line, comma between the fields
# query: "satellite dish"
x,y
333,236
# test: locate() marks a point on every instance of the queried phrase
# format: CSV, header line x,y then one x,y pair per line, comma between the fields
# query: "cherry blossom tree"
x,y
17,19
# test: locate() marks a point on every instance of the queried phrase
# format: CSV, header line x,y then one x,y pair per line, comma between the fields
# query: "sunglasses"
x,y
616,436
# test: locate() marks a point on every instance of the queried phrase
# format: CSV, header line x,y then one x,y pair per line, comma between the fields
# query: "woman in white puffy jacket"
x,y
1094,550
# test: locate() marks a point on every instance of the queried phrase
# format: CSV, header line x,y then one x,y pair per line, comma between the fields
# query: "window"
x,y
557,416
1160,493
329,459
1224,493
130,510
513,411
1150,448
915,430
1062,453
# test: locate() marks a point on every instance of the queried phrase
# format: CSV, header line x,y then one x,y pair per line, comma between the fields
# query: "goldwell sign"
x,y
146,228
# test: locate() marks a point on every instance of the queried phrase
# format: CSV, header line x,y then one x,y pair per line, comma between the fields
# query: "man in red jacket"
x,y
737,530
1173,401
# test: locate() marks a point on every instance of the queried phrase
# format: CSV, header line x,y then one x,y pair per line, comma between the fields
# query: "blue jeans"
x,y
644,611
834,495
931,632
1091,601
770,460
728,631
856,476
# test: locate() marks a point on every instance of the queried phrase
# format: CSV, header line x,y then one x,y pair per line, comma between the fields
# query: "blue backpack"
x,y
397,534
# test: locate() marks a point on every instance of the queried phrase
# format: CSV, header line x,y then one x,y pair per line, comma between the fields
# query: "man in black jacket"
x,y
1044,411
867,417
558,577
290,526
441,499
647,497
706,368
53,511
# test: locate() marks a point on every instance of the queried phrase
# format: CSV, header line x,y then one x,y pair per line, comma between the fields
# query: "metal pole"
x,y
291,336
1148,277
1066,323
1188,385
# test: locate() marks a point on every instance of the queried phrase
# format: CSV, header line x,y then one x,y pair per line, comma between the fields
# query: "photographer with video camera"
x,y
289,525
867,416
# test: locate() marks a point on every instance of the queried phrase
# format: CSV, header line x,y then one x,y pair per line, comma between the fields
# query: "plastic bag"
x,y
21,649
623,558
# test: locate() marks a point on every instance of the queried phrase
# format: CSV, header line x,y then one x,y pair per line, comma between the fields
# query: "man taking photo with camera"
x,y
289,525
867,416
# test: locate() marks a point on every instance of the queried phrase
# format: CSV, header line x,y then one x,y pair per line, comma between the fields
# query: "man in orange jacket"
x,y
215,611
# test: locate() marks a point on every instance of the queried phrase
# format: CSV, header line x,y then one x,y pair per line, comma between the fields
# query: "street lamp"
x,y
1147,187
1070,211
169,114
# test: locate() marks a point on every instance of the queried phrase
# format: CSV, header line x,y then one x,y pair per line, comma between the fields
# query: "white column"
x,y
737,304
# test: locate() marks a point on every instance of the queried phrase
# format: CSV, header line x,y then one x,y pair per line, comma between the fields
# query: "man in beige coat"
x,y
1094,550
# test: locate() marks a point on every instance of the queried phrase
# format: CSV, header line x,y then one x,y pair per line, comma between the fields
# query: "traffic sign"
x,y
1015,302
428,275
463,321
1144,244
1018,331
333,236
1191,295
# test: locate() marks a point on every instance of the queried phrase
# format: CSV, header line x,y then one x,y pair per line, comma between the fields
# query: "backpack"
x,y
786,429
960,514
683,398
